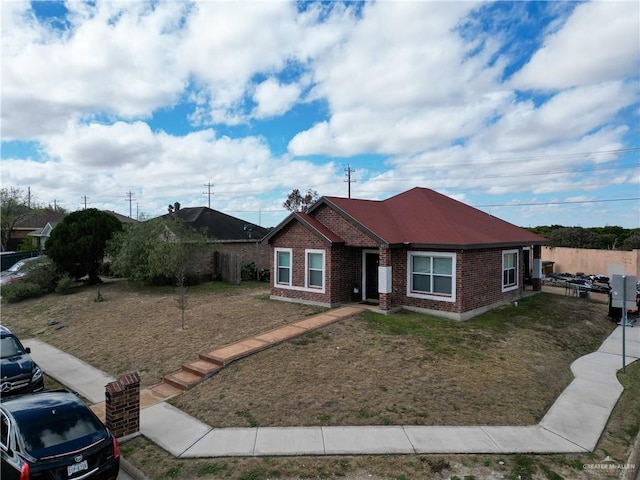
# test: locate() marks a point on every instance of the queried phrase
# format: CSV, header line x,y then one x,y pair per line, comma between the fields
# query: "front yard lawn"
x,y
505,367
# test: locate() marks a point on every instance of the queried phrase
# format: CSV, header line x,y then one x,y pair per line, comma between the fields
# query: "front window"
x,y
283,266
509,270
431,275
10,347
315,269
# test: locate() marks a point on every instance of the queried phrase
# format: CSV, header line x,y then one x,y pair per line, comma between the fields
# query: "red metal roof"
x,y
423,216
320,228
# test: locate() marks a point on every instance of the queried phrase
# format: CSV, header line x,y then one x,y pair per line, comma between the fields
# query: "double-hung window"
x,y
283,266
431,275
509,270
315,268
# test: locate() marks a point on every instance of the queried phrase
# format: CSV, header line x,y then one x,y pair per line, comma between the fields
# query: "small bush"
x,y
20,290
64,285
44,275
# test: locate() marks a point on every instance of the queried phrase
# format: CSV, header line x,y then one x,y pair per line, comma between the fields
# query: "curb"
x,y
125,465
130,470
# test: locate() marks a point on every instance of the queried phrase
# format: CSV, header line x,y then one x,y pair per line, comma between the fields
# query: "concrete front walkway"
x,y
573,424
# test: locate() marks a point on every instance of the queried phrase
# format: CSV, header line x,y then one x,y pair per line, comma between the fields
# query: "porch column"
x,y
537,268
385,277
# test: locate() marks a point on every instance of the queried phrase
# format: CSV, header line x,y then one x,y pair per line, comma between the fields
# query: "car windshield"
x,y
59,430
10,347
16,267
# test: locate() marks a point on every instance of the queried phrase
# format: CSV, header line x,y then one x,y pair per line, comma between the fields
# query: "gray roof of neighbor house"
x,y
122,218
39,219
219,225
423,217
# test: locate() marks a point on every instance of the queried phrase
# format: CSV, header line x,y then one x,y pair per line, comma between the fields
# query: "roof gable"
x,y
312,224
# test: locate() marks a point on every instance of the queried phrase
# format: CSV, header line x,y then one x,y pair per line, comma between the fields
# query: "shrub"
x,y
44,275
20,290
64,285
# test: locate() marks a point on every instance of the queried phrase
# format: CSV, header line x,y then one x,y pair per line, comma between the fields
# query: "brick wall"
x,y
353,236
478,282
122,405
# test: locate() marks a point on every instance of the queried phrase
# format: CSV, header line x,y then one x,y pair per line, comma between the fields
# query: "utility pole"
x,y
29,198
85,202
130,198
208,192
349,170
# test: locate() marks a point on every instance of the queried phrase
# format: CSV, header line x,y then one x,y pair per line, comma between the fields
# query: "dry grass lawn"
x,y
504,367
140,329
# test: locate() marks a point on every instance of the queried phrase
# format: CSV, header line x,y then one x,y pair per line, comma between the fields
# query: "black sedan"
x,y
18,372
54,435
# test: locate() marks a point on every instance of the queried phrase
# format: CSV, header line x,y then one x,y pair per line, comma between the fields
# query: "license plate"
x,y
77,467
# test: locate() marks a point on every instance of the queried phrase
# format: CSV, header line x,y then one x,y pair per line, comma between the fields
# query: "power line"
x,y
130,198
530,157
208,192
349,170
559,203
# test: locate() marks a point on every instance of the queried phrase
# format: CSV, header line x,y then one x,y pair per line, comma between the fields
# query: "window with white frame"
x,y
315,268
509,270
431,275
283,266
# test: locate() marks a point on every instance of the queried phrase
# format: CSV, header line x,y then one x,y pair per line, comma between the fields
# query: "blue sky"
x,y
529,111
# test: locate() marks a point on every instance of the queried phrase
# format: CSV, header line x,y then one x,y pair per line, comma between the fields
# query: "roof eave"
x,y
465,246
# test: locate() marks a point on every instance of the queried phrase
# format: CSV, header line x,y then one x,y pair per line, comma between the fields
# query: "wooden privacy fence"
x,y
227,267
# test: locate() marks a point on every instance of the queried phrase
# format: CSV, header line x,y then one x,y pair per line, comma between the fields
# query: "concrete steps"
x,y
210,363
182,379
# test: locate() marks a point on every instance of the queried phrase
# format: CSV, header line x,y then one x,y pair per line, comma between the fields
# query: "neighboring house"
x,y
41,235
233,235
36,226
418,250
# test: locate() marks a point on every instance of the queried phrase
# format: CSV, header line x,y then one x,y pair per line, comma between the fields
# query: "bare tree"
x,y
181,290
14,206
296,202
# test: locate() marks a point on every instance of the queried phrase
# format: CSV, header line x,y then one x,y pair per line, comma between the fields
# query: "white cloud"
x,y
119,59
273,98
225,44
570,114
106,161
389,85
599,42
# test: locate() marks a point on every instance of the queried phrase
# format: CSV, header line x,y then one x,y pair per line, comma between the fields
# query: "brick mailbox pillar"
x,y
122,405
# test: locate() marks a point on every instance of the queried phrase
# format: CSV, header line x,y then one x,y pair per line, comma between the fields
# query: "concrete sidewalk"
x,y
573,424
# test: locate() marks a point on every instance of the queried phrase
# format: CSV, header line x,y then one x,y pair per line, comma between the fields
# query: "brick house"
x,y
418,250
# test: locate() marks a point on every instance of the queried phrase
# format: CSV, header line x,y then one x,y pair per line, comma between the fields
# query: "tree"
x,y
296,202
14,206
77,244
158,251
632,242
174,208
